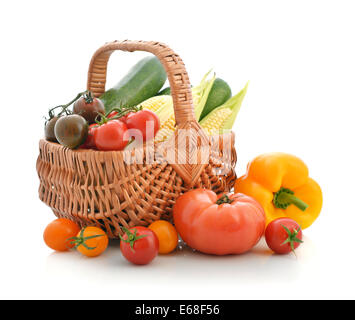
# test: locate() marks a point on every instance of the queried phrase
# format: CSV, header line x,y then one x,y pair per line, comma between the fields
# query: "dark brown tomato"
x,y
89,108
71,131
49,129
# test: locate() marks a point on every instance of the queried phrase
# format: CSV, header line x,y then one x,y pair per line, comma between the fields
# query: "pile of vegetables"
x,y
275,198
122,114
87,125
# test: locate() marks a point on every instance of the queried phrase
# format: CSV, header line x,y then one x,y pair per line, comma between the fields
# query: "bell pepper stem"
x,y
285,197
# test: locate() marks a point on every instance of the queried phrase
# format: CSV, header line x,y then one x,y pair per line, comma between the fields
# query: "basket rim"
x,y
82,150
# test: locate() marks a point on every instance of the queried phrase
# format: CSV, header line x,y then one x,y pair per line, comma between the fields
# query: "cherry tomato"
x,y
90,241
283,235
89,107
58,232
139,245
230,224
71,131
49,129
111,135
167,235
146,121
89,142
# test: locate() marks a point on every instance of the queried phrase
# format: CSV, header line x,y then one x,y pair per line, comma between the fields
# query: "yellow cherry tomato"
x,y
167,235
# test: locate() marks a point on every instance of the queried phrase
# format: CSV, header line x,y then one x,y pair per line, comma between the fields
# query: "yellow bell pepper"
x,y
280,183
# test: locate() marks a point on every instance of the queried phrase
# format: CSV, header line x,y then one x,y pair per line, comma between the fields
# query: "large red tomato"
x,y
230,224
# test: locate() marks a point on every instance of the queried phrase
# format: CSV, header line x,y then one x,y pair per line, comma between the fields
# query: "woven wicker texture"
x,y
103,189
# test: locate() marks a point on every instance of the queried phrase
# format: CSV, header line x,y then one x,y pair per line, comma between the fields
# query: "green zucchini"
x,y
164,92
144,80
219,94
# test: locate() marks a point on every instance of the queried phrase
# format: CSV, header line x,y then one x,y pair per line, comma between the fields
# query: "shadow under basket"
x,y
110,189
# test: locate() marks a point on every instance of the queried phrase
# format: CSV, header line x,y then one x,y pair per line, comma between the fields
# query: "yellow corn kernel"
x,y
167,116
166,130
212,125
164,108
223,117
155,103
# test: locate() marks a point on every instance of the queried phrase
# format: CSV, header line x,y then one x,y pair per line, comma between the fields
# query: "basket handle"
x,y
174,67
189,169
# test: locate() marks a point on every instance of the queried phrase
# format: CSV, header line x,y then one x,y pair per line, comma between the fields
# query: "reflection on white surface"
x,y
182,267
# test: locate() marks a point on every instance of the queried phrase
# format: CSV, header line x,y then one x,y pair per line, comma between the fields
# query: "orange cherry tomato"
x,y
91,241
57,233
167,235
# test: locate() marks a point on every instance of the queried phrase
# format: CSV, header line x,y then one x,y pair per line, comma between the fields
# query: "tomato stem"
x,y
64,107
80,240
285,197
292,237
131,237
121,112
88,97
224,199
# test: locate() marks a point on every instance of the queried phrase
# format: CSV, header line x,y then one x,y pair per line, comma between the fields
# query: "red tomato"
x,y
283,235
89,142
146,121
231,224
111,135
139,245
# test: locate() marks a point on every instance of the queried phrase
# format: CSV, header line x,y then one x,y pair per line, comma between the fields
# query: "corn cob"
x,y
223,117
212,124
154,103
163,107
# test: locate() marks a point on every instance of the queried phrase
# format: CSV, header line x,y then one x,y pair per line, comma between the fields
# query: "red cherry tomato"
x,y
283,235
89,142
139,245
146,121
230,224
111,136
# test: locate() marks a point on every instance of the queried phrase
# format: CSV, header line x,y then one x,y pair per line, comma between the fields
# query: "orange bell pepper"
x,y
280,183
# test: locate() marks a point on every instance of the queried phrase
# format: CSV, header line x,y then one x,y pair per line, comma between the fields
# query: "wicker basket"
x,y
102,188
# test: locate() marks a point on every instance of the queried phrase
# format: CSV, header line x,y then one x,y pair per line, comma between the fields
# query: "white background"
x,y
300,60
